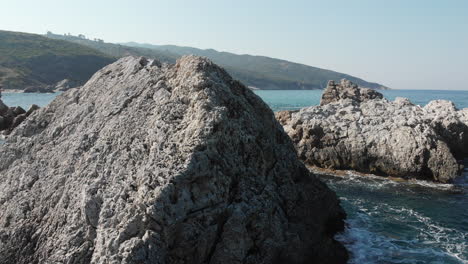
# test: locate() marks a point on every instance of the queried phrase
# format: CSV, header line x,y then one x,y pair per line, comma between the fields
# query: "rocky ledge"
x,y
150,163
61,86
358,129
11,117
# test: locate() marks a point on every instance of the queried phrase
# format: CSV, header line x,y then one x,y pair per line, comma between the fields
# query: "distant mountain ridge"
x,y
116,50
255,71
34,60
40,60
265,72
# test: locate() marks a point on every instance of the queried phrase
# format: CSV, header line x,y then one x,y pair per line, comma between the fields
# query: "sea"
x,y
388,221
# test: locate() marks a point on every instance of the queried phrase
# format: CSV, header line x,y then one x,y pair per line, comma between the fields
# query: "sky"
x,y
402,44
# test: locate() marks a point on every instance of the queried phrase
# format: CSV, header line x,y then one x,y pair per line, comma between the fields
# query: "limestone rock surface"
x,y
347,90
151,163
355,129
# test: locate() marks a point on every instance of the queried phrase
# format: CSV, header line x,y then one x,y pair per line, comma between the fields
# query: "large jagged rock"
x,y
371,134
161,164
11,117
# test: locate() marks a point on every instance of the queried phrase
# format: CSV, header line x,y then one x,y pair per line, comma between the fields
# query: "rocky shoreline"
x,y
358,129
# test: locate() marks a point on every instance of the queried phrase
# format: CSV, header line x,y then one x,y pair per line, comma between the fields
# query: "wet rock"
x,y
151,163
352,129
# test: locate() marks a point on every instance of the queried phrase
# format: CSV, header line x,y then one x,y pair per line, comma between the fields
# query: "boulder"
x,y
31,109
352,129
18,110
151,163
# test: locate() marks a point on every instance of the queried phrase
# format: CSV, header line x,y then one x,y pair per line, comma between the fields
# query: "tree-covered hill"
x,y
30,59
34,60
255,71
264,72
116,50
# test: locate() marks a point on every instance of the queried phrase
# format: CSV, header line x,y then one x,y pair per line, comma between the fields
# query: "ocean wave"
x,y
414,237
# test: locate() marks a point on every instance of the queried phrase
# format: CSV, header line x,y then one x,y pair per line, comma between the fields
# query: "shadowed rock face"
x,y
11,117
353,129
161,164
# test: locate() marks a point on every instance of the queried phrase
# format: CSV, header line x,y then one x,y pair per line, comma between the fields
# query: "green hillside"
x,y
117,50
30,59
264,72
255,71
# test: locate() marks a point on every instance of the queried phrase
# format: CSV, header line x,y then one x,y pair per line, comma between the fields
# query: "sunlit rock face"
x,y
358,129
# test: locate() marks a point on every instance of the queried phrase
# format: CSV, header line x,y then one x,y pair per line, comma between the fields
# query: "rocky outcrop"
x,y
360,130
347,90
65,85
11,117
39,89
61,86
149,163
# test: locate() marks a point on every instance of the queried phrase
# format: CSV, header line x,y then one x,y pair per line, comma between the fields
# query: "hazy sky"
x,y
404,44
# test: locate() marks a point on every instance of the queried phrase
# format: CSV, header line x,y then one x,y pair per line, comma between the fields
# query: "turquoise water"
x,y
388,221
25,100
290,100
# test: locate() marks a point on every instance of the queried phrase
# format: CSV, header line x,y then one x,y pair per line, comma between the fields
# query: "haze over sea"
x,y
388,221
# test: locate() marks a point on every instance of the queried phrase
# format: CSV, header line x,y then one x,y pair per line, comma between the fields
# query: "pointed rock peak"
x,y
170,164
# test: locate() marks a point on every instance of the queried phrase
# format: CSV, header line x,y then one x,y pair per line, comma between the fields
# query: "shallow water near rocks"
x,y
388,221
25,100
280,100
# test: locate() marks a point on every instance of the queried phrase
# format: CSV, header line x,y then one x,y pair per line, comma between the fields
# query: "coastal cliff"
x,y
151,163
358,129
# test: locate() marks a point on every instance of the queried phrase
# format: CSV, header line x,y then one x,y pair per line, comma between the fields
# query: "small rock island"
x,y
356,128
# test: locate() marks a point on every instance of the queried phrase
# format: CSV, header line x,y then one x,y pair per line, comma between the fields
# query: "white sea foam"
x,y
374,181
431,240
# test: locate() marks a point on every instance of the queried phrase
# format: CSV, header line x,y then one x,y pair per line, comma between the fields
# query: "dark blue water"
x,y
388,221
